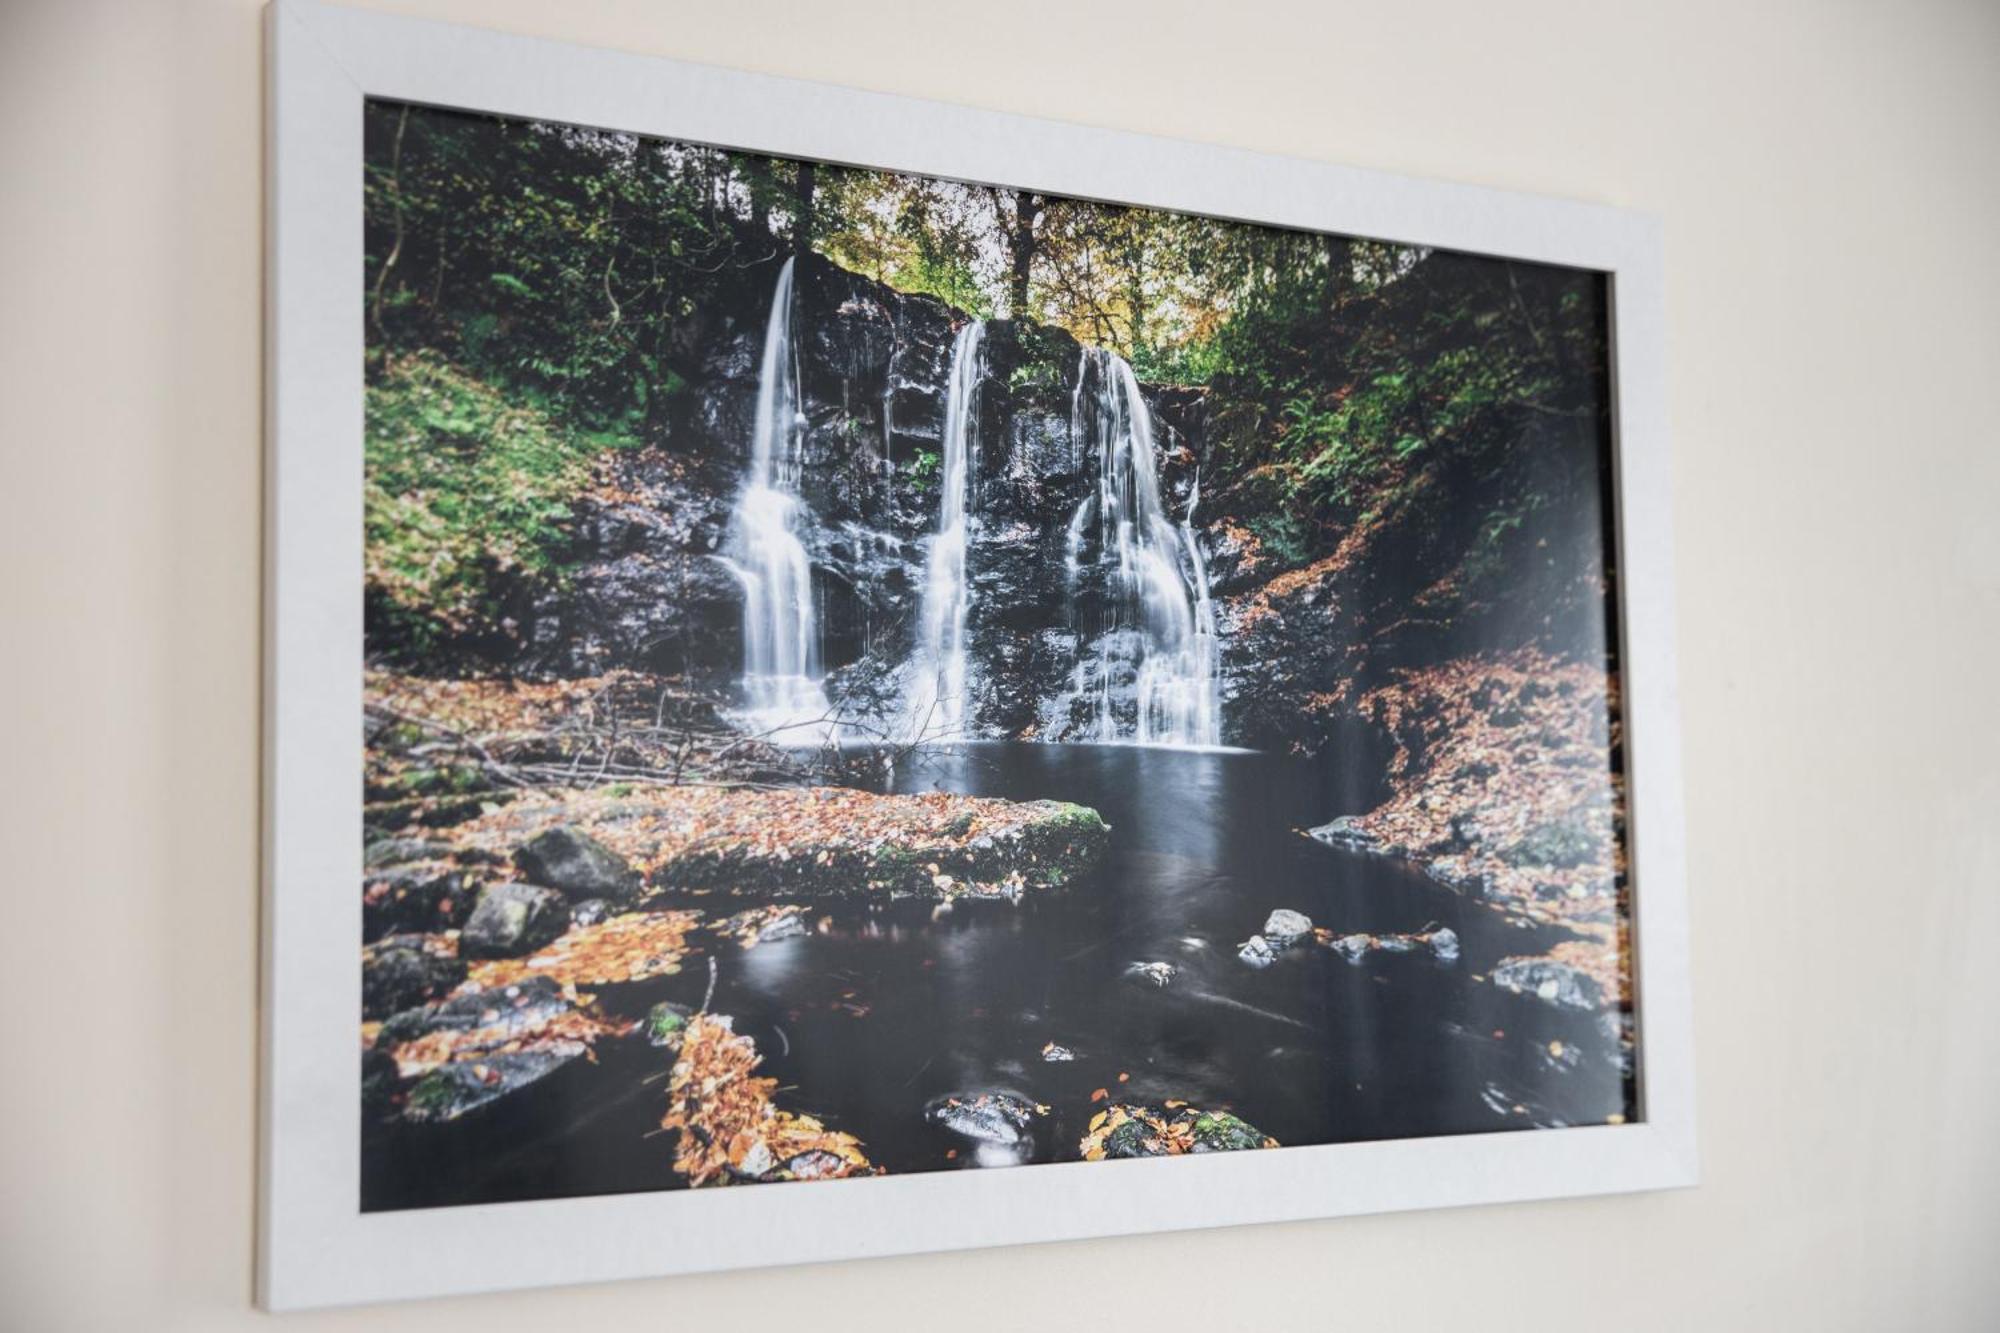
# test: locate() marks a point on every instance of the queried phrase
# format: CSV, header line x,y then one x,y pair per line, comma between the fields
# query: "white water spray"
x,y
781,670
1151,676
934,703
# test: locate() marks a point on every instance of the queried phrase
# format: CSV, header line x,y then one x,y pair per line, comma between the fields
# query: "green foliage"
x,y
560,264
1281,535
585,276
462,490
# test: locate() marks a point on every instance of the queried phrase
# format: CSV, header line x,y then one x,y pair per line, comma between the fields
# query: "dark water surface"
x,y
870,1020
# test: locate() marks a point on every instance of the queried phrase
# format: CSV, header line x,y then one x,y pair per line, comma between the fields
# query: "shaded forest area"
x,y
556,293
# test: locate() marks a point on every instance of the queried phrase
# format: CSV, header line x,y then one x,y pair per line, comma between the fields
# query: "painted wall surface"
x,y
1829,181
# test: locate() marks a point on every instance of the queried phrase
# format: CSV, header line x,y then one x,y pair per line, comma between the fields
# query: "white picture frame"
x,y
316,1246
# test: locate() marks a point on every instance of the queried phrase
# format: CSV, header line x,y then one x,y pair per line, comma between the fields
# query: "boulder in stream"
x,y
1004,1119
1284,927
1155,974
1130,1130
415,897
513,919
1257,952
1551,982
458,1087
578,864
402,971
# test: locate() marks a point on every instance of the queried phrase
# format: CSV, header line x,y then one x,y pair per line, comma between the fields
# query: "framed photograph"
x,y
850,676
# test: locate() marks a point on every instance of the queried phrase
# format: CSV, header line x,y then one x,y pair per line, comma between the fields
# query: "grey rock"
x,y
399,972
1285,927
1257,952
578,864
1551,982
513,919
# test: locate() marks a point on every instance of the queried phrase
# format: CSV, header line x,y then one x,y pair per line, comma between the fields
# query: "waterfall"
x,y
781,671
1147,665
934,700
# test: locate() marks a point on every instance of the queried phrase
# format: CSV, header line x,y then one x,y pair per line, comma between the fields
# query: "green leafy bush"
x,y
462,490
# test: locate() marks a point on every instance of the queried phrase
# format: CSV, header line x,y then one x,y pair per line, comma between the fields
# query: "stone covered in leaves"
x,y
1002,1118
729,1129
1357,947
406,970
631,947
513,919
578,864
483,1043
1506,786
1550,980
1125,1130
763,925
415,896
804,842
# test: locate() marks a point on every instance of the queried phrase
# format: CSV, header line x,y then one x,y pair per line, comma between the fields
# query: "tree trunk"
x,y
802,212
1021,241
1339,276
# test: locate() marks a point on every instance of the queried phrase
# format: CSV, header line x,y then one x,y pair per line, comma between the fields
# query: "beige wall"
x,y
1830,183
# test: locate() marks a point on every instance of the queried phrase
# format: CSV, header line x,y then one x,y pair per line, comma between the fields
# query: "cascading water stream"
x,y
781,671
1148,665
935,691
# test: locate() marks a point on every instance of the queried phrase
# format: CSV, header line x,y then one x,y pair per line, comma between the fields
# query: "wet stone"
x,y
513,919
1158,975
1257,952
1000,1124
1285,927
462,1086
577,864
1219,1131
414,897
403,971
1551,982
516,1008
666,1024
1346,832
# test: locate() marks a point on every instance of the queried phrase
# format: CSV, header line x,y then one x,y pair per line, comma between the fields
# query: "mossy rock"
x,y
1219,1131
1052,846
1562,844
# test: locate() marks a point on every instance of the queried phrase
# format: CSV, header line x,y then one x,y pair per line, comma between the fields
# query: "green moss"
x,y
462,489
433,1094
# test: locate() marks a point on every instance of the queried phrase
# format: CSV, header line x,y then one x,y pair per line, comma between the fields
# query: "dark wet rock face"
x,y
402,971
648,585
513,919
577,864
